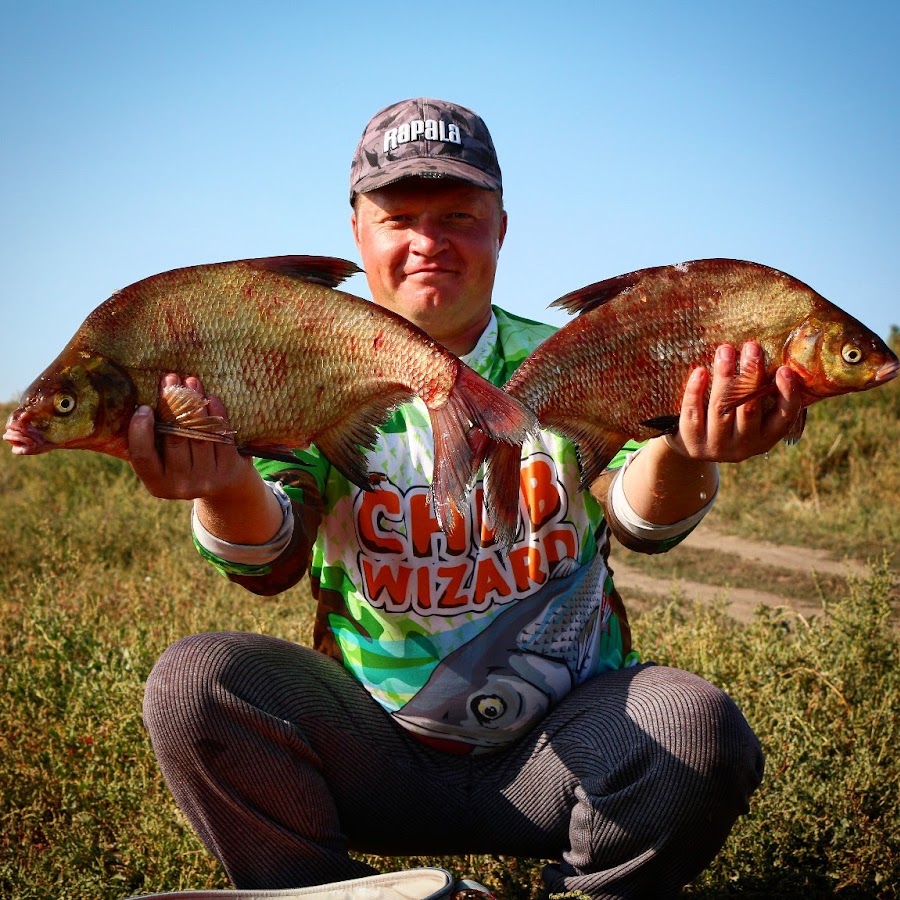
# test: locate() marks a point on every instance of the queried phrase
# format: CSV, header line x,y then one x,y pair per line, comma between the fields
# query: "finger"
x,y
216,407
749,415
691,433
179,453
721,419
142,447
176,455
194,383
789,400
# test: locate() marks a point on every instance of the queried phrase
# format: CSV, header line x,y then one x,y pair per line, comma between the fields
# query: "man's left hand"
x,y
711,432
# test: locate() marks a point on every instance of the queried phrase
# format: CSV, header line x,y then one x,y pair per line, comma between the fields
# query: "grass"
x,y
97,578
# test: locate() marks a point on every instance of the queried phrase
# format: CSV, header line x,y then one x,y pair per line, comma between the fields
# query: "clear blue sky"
x,y
138,137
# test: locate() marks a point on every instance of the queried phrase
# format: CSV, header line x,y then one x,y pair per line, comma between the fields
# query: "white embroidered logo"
x,y
421,129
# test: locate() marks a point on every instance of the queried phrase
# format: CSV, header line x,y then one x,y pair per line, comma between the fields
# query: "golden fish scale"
x,y
632,357
278,351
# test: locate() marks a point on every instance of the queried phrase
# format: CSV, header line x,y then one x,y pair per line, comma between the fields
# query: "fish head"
x,y
833,354
80,403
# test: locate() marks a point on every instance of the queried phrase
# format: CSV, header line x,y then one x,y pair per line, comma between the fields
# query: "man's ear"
x,y
502,236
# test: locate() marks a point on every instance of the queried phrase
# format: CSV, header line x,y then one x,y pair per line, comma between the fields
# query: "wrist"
x,y
664,486
255,553
244,512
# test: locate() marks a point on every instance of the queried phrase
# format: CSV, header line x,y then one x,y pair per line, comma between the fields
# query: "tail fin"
x,y
501,487
475,414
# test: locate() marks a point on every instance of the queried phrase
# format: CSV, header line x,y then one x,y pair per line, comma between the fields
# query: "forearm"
x,y
663,487
269,567
248,513
292,562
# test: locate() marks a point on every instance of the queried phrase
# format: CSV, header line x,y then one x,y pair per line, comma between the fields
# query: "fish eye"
x,y
488,707
64,404
851,354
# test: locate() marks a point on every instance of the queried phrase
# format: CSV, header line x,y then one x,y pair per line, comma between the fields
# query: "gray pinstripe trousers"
x,y
282,762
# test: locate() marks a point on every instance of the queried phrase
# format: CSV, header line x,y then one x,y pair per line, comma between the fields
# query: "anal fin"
x,y
595,445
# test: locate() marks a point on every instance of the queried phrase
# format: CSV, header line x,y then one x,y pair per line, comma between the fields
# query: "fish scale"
x,y
571,622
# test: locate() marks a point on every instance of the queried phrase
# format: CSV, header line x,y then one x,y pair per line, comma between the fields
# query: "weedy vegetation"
x,y
97,578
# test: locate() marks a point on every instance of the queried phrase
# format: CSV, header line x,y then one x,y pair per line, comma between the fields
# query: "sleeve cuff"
x,y
249,554
650,531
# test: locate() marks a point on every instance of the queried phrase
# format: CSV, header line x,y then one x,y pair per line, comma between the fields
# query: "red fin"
x,y
501,489
795,432
181,412
195,434
326,270
343,443
745,386
593,295
473,402
596,446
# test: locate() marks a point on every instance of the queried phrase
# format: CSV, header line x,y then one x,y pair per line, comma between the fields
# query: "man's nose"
x,y
428,239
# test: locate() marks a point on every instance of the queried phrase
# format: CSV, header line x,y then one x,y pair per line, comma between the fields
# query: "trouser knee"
x,y
180,693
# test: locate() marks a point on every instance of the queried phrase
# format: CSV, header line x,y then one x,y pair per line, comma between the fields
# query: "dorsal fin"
x,y
594,295
326,270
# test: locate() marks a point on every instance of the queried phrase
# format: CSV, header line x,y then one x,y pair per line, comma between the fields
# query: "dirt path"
x,y
741,602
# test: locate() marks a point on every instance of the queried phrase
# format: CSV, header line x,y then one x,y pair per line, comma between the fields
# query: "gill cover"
x,y
86,403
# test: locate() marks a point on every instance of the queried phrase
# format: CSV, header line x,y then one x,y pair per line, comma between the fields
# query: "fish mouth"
x,y
887,371
25,439
428,728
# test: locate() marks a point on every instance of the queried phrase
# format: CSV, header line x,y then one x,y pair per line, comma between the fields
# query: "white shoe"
x,y
412,884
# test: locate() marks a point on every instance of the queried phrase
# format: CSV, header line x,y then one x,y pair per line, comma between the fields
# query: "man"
x,y
461,698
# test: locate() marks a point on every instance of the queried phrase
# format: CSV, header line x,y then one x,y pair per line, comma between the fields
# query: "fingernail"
x,y
725,353
751,350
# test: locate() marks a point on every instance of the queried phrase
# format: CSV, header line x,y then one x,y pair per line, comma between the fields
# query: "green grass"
x,y
97,578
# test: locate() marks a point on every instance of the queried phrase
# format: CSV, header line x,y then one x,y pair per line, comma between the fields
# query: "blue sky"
x,y
139,137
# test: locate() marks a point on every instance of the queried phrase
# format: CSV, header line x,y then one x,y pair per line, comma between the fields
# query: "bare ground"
x,y
740,601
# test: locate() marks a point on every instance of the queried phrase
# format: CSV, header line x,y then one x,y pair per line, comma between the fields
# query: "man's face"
x,y
429,248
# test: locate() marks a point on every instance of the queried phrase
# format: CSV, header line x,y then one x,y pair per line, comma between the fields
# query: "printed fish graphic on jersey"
x,y
494,688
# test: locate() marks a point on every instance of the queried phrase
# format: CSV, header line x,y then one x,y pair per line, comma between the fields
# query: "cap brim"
x,y
431,167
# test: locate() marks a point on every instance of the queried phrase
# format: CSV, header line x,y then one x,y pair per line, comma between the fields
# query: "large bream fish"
x,y
294,361
619,369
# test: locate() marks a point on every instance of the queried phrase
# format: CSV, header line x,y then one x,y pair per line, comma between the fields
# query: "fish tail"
x,y
475,413
502,464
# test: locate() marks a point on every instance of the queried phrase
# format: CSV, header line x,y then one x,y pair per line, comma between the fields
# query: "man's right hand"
x,y
177,468
232,501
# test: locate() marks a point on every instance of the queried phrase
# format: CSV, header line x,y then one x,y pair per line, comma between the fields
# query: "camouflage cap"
x,y
424,138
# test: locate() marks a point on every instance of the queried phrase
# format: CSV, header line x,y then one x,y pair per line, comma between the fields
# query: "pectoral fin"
x,y
795,432
745,386
663,424
182,412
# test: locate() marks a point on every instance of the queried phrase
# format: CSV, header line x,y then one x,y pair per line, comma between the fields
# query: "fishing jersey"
x,y
465,643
